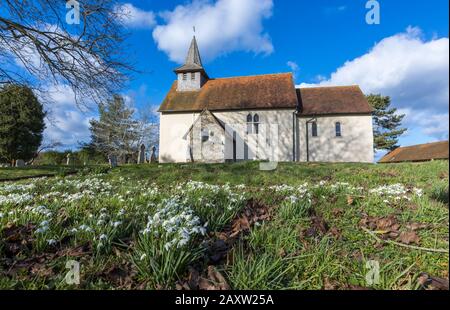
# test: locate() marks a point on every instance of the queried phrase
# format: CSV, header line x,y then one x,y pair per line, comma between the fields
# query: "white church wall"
x,y
173,127
191,83
354,145
260,150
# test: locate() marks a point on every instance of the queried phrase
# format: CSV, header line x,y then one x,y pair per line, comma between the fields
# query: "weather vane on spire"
x,y
194,29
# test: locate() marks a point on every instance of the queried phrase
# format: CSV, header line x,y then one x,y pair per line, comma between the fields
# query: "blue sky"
x,y
323,42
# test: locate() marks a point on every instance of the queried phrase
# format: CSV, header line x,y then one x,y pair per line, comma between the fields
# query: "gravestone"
x,y
69,159
153,157
20,163
141,155
112,161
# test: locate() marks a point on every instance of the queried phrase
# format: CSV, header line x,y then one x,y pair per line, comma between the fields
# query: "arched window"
x,y
249,124
193,76
256,123
314,129
338,129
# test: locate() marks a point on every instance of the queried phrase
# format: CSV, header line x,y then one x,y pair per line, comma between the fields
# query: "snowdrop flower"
x,y
182,243
143,256
103,237
85,228
146,231
51,242
42,229
1,215
167,246
116,224
100,222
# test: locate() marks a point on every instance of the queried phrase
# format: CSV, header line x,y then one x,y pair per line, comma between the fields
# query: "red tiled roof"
x,y
421,152
333,100
238,93
271,91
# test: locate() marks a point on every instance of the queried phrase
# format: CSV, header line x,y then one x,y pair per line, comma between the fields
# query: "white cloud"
x,y
66,123
221,27
294,68
414,72
293,65
134,17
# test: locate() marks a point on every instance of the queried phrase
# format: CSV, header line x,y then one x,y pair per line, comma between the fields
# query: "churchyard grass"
x,y
13,173
302,226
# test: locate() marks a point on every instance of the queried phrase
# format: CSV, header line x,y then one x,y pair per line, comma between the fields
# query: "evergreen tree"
x,y
21,123
116,132
386,123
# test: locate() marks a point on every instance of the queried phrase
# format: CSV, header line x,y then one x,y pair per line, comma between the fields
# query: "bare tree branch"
x,y
88,57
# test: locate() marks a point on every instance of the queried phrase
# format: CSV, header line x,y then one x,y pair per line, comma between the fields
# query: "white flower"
x,y
143,256
85,228
103,237
42,229
182,242
116,224
167,246
44,223
51,242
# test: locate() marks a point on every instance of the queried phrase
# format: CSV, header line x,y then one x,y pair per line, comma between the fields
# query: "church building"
x,y
262,117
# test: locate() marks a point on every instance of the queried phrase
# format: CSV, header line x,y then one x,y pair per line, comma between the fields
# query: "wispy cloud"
x,y
294,68
223,26
134,17
413,71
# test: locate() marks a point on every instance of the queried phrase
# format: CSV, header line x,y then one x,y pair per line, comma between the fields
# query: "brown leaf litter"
x,y
331,285
319,227
18,253
219,247
213,280
388,227
428,282
254,212
121,275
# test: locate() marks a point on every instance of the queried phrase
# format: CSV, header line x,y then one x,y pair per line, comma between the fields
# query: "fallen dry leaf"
x,y
337,211
350,200
416,226
215,281
428,282
408,237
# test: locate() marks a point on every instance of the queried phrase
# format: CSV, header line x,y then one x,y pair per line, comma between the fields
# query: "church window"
x,y
193,76
256,123
205,135
184,76
249,124
314,129
338,129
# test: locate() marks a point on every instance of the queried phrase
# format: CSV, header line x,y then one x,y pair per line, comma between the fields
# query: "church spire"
x,y
191,75
193,60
